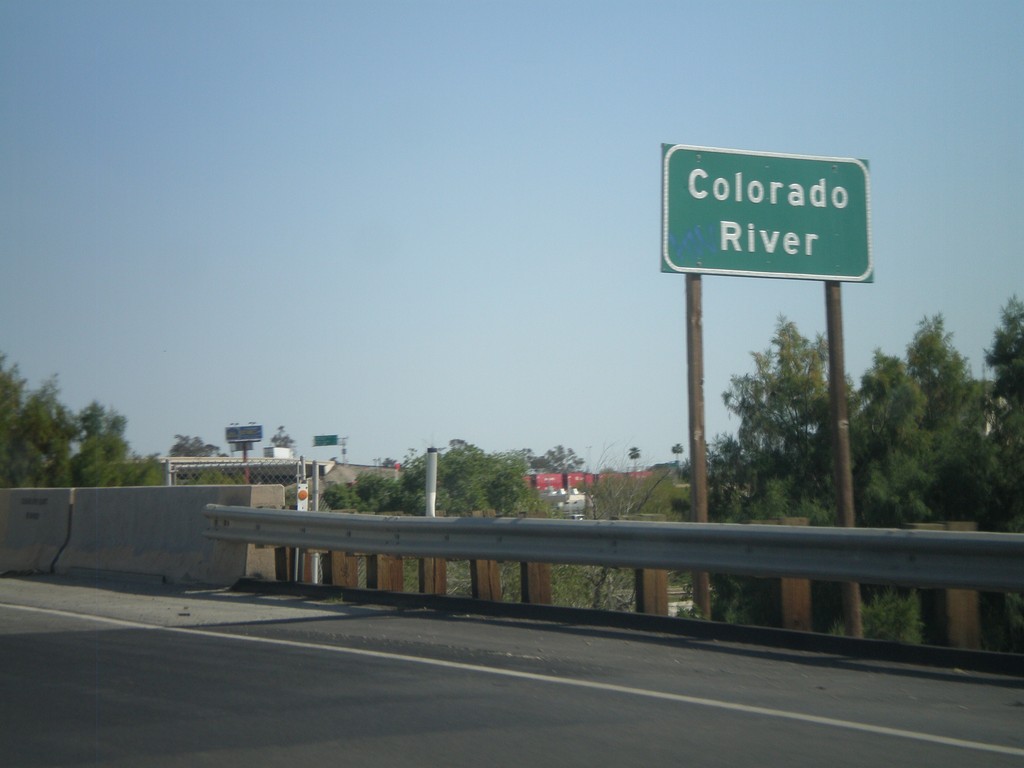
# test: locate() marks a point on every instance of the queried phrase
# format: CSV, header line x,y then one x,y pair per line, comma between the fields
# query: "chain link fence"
x,y
226,471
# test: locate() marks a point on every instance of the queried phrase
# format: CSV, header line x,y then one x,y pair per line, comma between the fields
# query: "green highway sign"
x,y
729,212
325,440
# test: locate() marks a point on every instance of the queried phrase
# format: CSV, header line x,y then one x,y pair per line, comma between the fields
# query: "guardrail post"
x,y
963,615
795,594
652,591
958,608
433,571
484,575
283,563
535,578
795,600
343,568
433,576
385,572
485,580
535,583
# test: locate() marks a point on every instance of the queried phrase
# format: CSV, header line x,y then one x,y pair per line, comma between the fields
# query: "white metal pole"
x,y
315,487
297,553
431,482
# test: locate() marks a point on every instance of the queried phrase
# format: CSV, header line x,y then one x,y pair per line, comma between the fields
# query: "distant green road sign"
x,y
765,215
325,440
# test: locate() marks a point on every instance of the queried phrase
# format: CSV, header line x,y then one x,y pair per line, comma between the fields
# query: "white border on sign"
x,y
747,273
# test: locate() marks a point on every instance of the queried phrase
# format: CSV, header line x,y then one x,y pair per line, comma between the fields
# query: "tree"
x,y
36,433
185,445
44,444
1005,422
46,430
677,451
1006,355
375,493
624,495
954,419
557,459
941,372
621,495
468,480
1005,418
104,457
783,438
891,450
341,496
930,443
282,439
729,481
919,435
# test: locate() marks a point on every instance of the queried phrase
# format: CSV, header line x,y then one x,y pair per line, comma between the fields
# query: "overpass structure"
x,y
125,647
220,534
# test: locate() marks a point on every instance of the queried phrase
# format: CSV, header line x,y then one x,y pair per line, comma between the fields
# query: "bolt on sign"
x,y
729,212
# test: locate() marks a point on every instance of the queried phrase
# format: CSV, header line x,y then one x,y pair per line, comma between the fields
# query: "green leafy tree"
x,y
634,455
930,443
1005,419
46,431
781,458
954,416
376,493
1004,629
104,457
730,480
186,445
557,459
941,373
1003,625
891,450
1006,355
341,496
919,435
282,439
468,480
36,433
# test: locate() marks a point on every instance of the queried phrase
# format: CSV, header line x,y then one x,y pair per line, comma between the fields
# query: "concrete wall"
x,y
34,525
155,531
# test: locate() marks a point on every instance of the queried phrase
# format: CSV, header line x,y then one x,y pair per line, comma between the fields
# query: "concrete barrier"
x,y
34,525
158,532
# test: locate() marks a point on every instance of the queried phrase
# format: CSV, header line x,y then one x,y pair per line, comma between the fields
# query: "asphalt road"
x,y
108,674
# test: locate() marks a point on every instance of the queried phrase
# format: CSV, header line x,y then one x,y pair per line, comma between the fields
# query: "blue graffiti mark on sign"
x,y
693,245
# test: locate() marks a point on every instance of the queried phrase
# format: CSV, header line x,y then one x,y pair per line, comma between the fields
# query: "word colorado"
x,y
731,233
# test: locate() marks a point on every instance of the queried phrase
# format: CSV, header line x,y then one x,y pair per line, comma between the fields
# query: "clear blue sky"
x,y
407,222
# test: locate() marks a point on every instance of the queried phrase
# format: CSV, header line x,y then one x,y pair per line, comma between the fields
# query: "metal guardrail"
x,y
930,559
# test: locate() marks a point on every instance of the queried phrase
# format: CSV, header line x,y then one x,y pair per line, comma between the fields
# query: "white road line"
x,y
551,679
